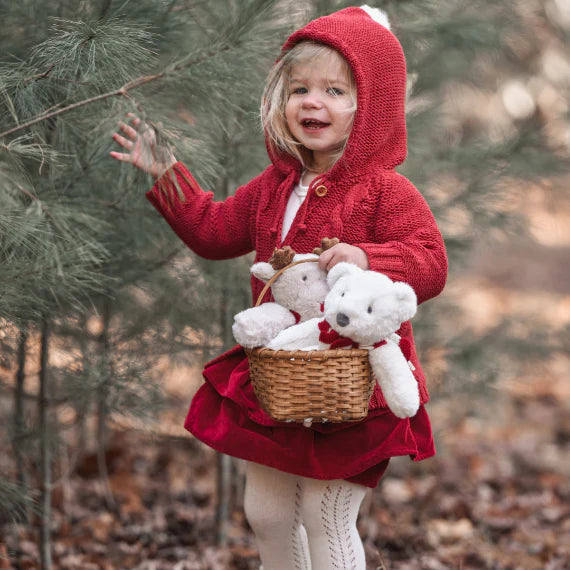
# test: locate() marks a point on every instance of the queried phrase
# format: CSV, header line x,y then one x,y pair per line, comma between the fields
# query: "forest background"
x,y
106,319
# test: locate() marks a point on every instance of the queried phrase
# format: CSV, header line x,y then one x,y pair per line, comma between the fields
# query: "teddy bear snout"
x,y
342,319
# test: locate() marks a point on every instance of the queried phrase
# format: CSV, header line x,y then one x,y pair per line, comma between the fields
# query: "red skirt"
x,y
226,415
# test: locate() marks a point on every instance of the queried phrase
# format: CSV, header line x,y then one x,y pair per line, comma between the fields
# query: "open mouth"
x,y
313,124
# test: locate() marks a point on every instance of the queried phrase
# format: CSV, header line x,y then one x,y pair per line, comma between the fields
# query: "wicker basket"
x,y
320,385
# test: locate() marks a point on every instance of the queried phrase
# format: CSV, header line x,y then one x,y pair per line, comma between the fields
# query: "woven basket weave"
x,y
321,385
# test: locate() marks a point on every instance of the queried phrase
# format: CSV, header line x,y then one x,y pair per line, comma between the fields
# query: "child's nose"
x,y
311,100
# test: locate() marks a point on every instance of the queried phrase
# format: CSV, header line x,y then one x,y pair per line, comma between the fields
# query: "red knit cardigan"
x,y
385,216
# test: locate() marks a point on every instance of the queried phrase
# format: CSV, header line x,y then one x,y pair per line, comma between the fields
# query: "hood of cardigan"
x,y
378,136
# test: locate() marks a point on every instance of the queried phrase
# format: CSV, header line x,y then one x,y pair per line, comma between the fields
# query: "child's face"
x,y
320,107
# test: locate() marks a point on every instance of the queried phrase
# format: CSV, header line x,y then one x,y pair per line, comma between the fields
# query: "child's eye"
x,y
335,91
299,91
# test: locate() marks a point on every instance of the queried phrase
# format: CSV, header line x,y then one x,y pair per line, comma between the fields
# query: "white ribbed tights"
x,y
301,523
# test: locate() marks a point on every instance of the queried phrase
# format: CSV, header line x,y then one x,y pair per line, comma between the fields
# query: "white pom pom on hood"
x,y
377,15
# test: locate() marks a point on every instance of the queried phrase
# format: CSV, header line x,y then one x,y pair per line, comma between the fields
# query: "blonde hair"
x,y
276,94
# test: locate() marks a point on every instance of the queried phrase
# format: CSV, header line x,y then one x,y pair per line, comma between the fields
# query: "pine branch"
x,y
46,75
158,264
20,148
121,92
44,209
34,271
43,75
15,501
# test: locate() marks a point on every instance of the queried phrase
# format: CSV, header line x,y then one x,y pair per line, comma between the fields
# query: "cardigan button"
x,y
321,191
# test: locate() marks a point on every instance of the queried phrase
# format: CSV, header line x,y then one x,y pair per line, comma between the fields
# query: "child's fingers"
x,y
324,259
134,119
343,252
123,157
123,141
129,131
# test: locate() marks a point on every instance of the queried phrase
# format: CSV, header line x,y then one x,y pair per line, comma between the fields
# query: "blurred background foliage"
x,y
128,315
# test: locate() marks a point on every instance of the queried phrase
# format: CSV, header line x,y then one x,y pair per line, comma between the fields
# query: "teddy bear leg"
x,y
396,380
303,336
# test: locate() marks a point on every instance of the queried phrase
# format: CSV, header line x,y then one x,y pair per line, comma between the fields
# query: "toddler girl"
x,y
333,113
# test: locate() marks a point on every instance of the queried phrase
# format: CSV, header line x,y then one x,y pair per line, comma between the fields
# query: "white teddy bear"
x,y
364,309
298,292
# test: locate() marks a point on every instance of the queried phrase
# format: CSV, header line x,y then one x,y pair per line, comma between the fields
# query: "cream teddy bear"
x,y
364,309
298,292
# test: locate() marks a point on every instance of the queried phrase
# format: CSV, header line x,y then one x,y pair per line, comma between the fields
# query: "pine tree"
x,y
78,239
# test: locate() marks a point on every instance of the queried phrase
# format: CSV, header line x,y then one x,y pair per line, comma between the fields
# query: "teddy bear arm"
x,y
303,336
258,325
396,380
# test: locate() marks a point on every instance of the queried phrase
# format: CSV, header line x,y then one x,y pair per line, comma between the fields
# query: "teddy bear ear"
x,y
407,301
341,269
262,271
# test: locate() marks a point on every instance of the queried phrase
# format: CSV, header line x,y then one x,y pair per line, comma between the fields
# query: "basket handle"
x,y
274,277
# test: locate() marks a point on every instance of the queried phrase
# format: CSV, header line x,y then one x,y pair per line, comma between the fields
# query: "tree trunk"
x,y
45,452
82,410
19,414
102,408
224,485
224,462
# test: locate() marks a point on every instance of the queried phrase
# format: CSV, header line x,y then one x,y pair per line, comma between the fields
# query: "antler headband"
x,y
281,257
326,243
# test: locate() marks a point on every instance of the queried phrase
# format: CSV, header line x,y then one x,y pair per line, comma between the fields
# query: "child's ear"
x,y
407,301
262,271
341,269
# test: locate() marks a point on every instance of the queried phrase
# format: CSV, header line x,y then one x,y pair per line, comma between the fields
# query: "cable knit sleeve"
x,y
408,244
214,230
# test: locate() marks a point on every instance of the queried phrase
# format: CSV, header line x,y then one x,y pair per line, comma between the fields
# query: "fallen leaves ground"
x,y
497,496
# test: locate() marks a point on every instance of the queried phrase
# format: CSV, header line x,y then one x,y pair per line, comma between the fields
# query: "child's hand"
x,y
144,152
343,252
